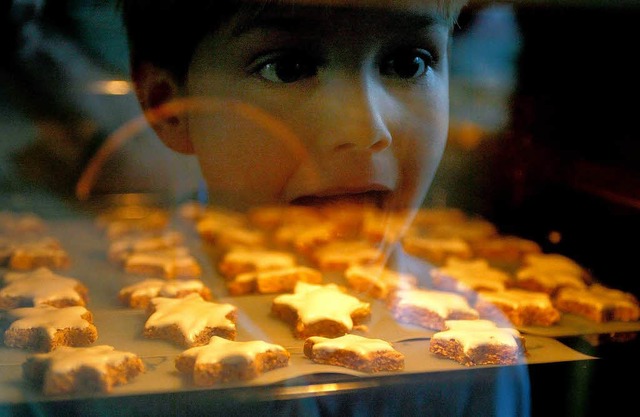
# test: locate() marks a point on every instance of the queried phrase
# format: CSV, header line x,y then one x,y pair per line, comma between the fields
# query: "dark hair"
x,y
167,32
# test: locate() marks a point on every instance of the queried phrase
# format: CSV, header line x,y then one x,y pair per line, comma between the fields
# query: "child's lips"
x,y
375,198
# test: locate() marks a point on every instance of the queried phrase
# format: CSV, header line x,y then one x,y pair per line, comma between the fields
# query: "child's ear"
x,y
156,87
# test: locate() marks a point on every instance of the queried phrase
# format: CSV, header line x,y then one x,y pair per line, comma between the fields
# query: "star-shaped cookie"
x,y
41,286
223,360
190,321
320,310
44,327
88,369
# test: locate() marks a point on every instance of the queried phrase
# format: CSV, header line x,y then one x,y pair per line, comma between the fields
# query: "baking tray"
x,y
121,327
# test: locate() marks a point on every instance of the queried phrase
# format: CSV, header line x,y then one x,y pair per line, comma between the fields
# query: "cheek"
x,y
418,145
419,154
241,155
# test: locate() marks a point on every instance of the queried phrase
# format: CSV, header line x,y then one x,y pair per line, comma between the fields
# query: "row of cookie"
x,y
25,243
527,300
57,322
181,311
544,281
13,223
434,233
311,309
328,313
277,272
44,311
38,304
308,236
160,253
542,275
321,237
469,342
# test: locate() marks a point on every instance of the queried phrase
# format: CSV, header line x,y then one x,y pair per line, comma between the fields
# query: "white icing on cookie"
x,y
152,287
219,349
172,262
474,333
382,277
192,314
551,278
351,342
599,299
473,274
441,302
41,286
65,359
341,254
122,247
553,262
50,319
319,302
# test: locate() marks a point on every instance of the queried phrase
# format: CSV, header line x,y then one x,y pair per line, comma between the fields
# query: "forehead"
x,y
326,19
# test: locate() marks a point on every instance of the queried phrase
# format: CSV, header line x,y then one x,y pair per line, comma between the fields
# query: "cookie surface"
x,y
41,286
44,328
467,276
272,282
171,263
430,308
378,281
519,307
38,252
338,255
81,369
189,321
598,303
354,352
478,342
238,261
223,360
320,310
123,247
139,295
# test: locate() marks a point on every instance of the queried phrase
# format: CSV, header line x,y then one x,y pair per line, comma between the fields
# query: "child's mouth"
x,y
376,198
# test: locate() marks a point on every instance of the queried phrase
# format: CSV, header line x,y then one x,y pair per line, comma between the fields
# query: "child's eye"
x,y
406,64
287,68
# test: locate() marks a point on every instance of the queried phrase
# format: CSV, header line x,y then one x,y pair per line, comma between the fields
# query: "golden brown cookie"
x,y
478,342
223,360
44,328
189,321
320,310
81,369
354,352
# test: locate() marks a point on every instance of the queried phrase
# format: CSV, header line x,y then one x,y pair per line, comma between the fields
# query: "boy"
x,y
308,102
295,102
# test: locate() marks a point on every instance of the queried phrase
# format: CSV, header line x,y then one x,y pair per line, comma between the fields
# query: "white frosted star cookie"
x,y
223,360
190,321
81,369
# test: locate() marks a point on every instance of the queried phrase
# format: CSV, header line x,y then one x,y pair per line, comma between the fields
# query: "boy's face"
x,y
306,105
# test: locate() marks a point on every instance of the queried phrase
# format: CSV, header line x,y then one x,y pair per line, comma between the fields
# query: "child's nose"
x,y
354,116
